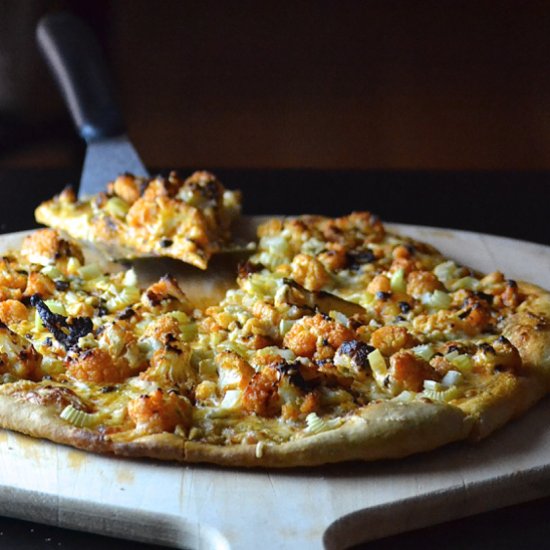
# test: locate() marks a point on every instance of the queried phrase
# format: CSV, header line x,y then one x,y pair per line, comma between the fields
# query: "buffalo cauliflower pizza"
x,y
338,341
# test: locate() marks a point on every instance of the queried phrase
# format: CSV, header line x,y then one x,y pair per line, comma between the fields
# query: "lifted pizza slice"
x,y
184,219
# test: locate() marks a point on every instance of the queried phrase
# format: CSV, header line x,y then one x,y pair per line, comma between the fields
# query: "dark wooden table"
x,y
509,204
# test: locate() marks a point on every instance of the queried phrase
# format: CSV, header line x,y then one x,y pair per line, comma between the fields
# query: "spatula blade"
x,y
105,159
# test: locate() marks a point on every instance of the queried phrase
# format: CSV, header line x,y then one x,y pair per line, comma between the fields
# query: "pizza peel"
x,y
332,507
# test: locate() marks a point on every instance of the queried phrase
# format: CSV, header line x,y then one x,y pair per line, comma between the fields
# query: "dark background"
x,y
342,84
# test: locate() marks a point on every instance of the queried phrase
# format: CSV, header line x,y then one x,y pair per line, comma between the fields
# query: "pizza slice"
x,y
184,219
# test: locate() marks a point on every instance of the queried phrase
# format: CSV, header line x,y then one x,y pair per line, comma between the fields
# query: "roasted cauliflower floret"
x,y
97,365
409,371
47,247
310,335
13,311
166,295
159,412
391,339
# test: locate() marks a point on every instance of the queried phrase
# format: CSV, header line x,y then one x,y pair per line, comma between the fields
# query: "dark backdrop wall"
x,y
324,84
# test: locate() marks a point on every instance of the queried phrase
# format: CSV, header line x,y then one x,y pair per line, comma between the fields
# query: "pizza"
x,y
338,341
186,220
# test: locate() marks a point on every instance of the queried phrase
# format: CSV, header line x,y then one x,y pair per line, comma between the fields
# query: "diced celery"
x,y
52,272
188,332
437,300
127,296
442,395
445,271
38,326
405,396
339,317
425,351
264,285
180,316
285,325
451,355
468,283
130,278
433,385
315,424
452,378
77,418
378,366
72,265
52,366
117,207
397,281
235,347
462,362
366,299
275,245
89,272
56,307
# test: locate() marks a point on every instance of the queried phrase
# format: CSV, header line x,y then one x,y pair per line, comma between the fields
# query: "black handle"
x,y
76,62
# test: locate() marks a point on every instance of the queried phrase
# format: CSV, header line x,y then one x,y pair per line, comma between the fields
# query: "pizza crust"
x,y
380,430
44,422
529,329
504,398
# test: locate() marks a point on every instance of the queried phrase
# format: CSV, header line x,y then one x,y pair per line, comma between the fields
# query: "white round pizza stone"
x,y
195,506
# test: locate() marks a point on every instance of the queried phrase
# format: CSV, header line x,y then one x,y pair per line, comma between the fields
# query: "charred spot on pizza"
x,y
61,285
102,310
484,296
487,348
165,242
126,313
358,258
464,313
405,307
357,351
67,331
247,268
292,370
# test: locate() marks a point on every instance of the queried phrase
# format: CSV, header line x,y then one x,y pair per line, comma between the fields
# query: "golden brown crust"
x,y
507,395
381,430
44,422
529,329
504,398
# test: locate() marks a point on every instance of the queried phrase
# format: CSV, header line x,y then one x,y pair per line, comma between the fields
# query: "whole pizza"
x,y
338,340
